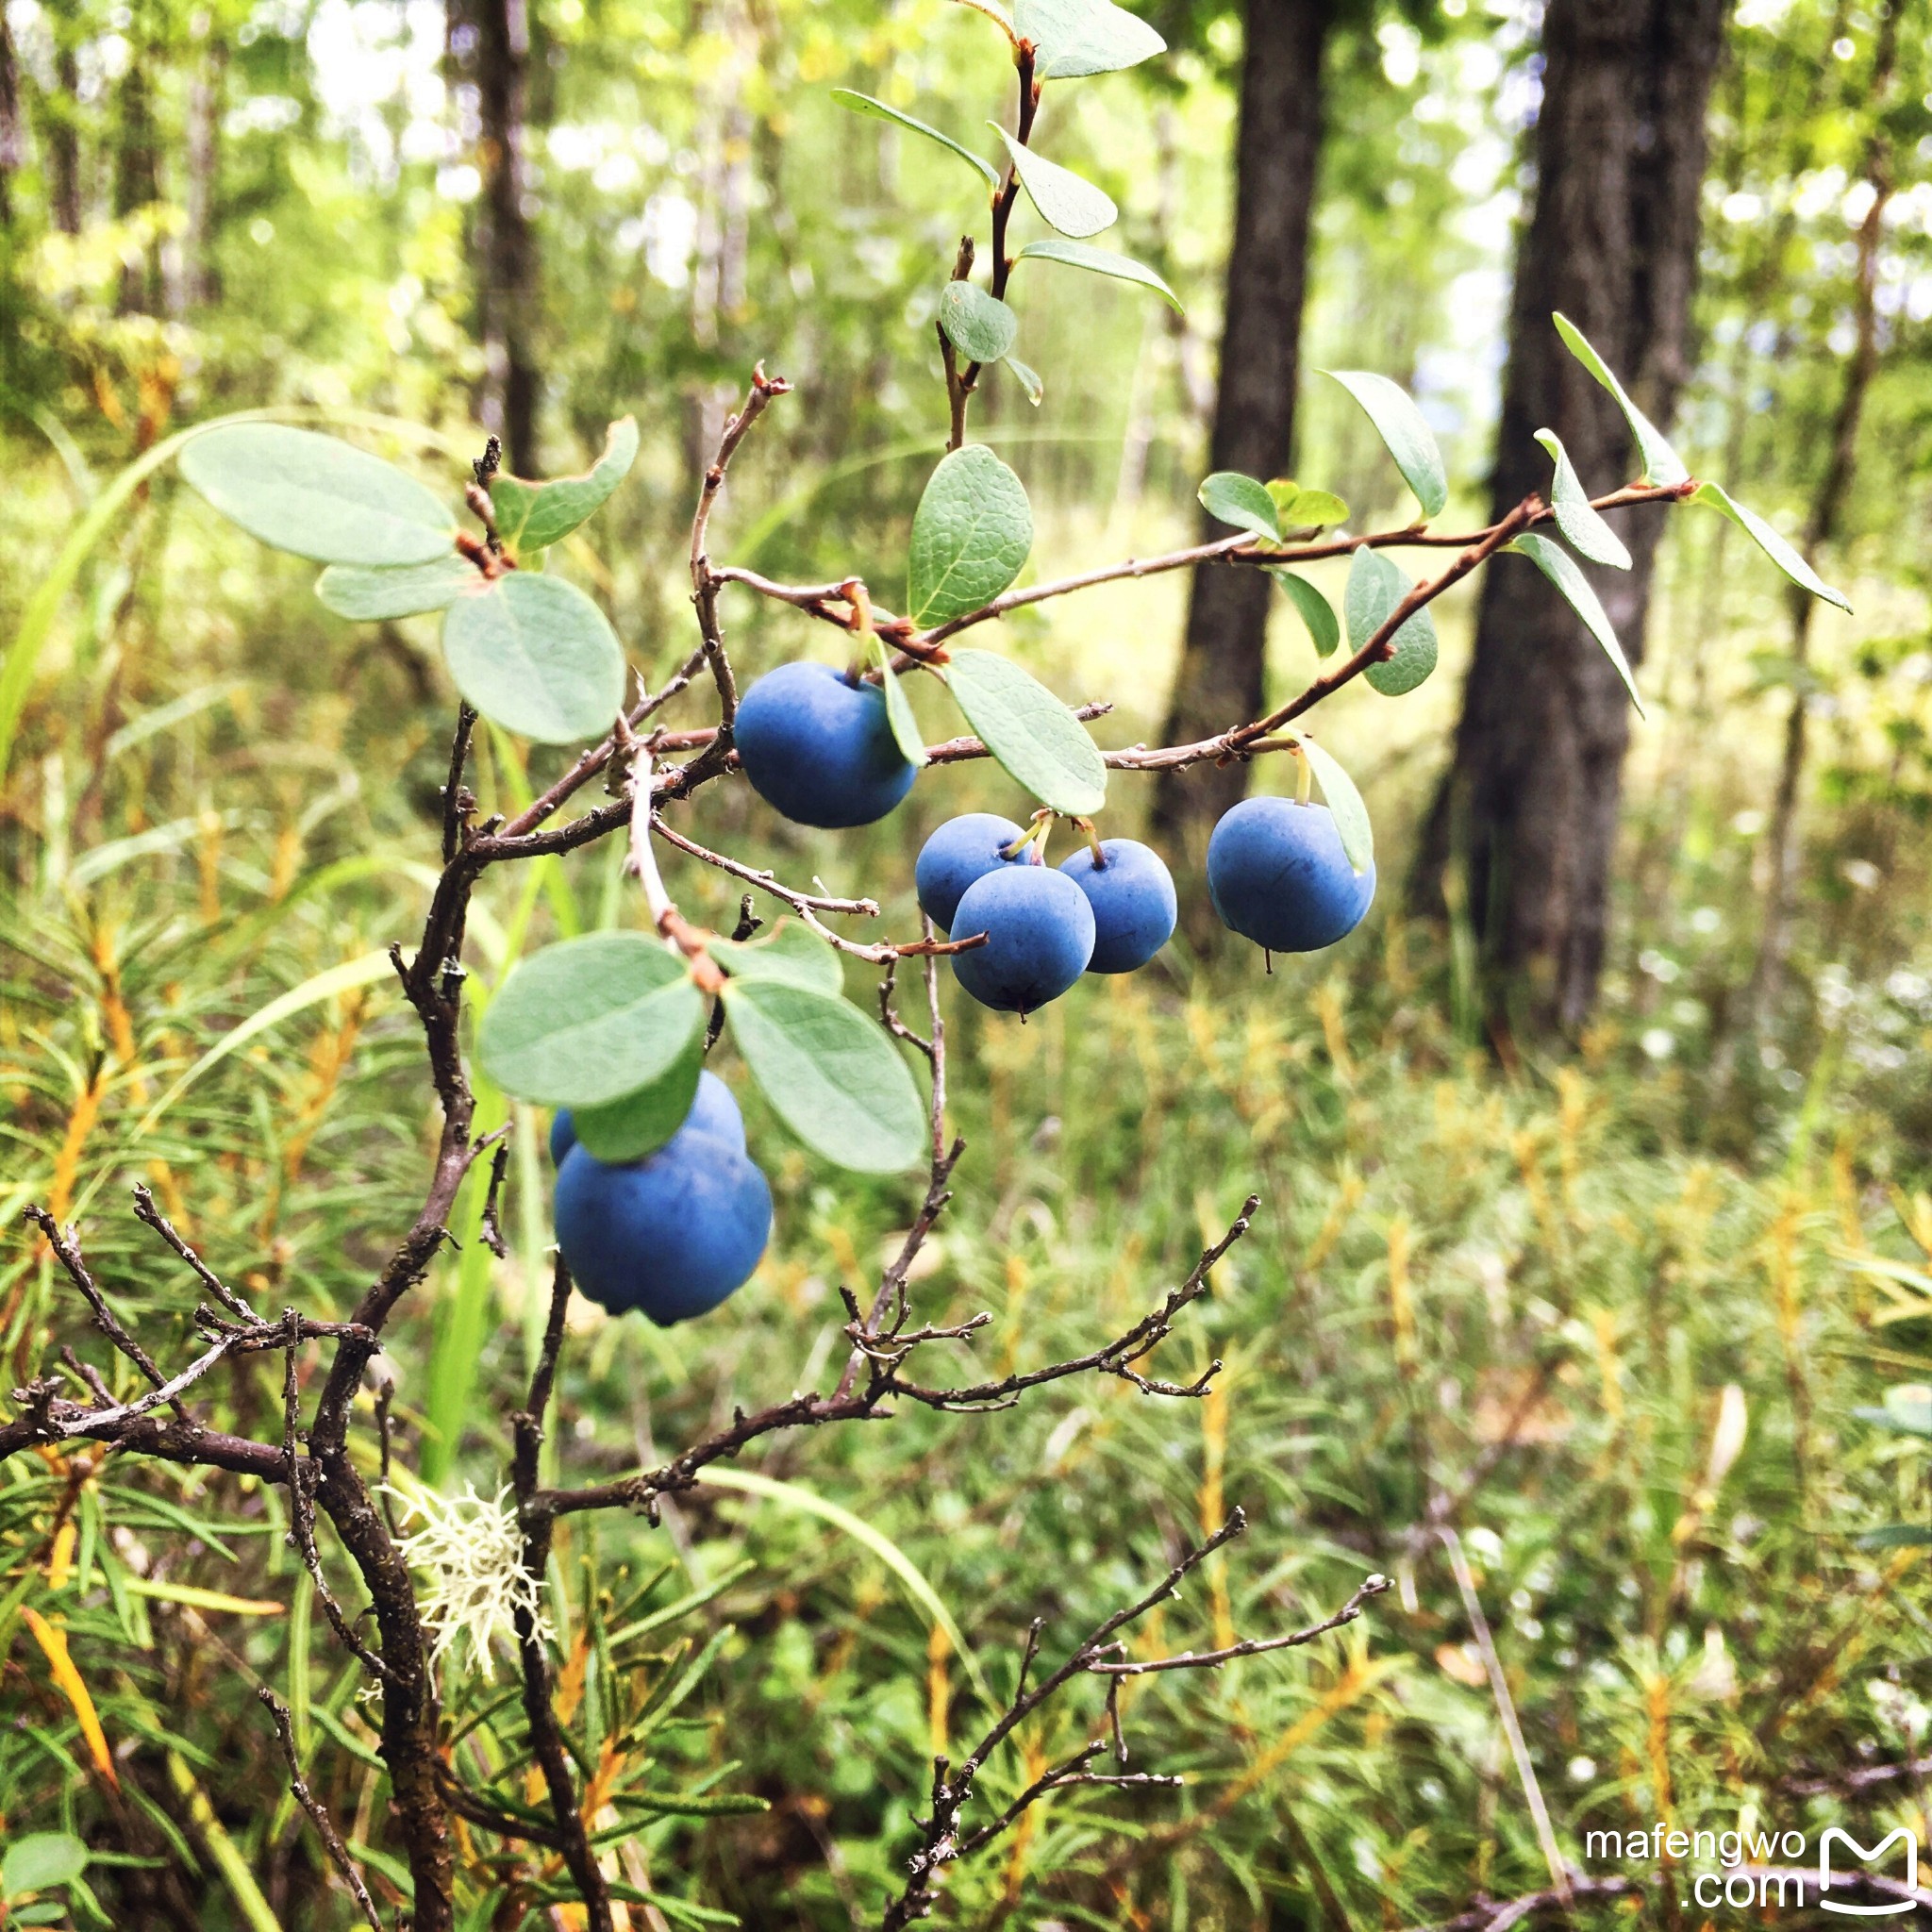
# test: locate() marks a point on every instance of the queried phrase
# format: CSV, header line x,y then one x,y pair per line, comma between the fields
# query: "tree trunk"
x,y
490,41
138,170
1528,809
203,159
11,151
1218,682
62,135
1821,526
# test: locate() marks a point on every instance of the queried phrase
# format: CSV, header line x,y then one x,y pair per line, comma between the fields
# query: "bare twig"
x,y
146,1210
325,1825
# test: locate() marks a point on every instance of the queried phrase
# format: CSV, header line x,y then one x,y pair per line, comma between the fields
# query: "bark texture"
x,y
1528,809
490,41
1277,151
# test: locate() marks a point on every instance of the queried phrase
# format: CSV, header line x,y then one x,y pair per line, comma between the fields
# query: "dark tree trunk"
x,y
138,170
62,133
1219,683
1528,809
202,161
491,40
10,145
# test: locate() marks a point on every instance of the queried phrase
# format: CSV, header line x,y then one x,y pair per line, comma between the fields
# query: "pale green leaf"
x,y
1314,609
979,326
1344,802
534,654
1301,509
1032,734
1404,431
790,952
1771,542
316,495
970,536
1588,535
905,732
1561,569
1029,380
533,516
864,104
367,596
1075,38
637,1126
1377,586
1100,262
832,1074
39,1860
1661,463
1066,200
1232,498
590,1021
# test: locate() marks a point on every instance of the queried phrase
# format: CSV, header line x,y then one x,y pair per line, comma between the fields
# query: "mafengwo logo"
x,y
1757,1872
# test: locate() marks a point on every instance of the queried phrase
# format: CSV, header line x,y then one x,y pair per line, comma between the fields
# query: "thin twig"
x,y
325,1825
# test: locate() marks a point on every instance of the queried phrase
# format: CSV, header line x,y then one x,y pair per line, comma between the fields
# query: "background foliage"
x,y
1638,1316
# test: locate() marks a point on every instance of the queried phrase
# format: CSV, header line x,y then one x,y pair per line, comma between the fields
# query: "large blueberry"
x,y
1277,875
820,749
1133,900
712,1111
670,1236
962,850
1040,937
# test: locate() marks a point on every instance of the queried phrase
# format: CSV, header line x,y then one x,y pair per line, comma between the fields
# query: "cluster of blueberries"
x,y
675,1233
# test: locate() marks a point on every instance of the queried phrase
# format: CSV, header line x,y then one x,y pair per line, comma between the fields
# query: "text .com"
x,y
1759,1869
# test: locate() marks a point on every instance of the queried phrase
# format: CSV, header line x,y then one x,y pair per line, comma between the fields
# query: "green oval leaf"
x,y
1376,585
316,495
39,1860
970,535
790,952
1074,38
979,326
1242,501
1314,609
367,596
1066,200
905,726
533,516
1771,542
1100,262
1588,535
640,1124
1035,737
1298,509
534,654
832,1076
1029,380
1345,802
1560,568
864,104
1404,431
590,1021
1661,463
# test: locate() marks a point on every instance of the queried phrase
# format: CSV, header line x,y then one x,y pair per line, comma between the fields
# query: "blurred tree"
x,y
10,149
1525,822
490,45
1276,154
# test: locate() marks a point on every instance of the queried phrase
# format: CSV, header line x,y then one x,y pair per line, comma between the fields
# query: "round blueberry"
x,y
670,1236
1277,875
819,749
962,850
1133,900
712,1111
1040,937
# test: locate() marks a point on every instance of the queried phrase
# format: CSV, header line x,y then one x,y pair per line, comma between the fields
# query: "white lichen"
x,y
469,1554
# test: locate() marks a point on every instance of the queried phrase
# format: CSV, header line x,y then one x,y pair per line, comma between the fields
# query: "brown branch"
x,y
540,1712
325,1825
457,802
146,1210
67,1252
1371,1586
